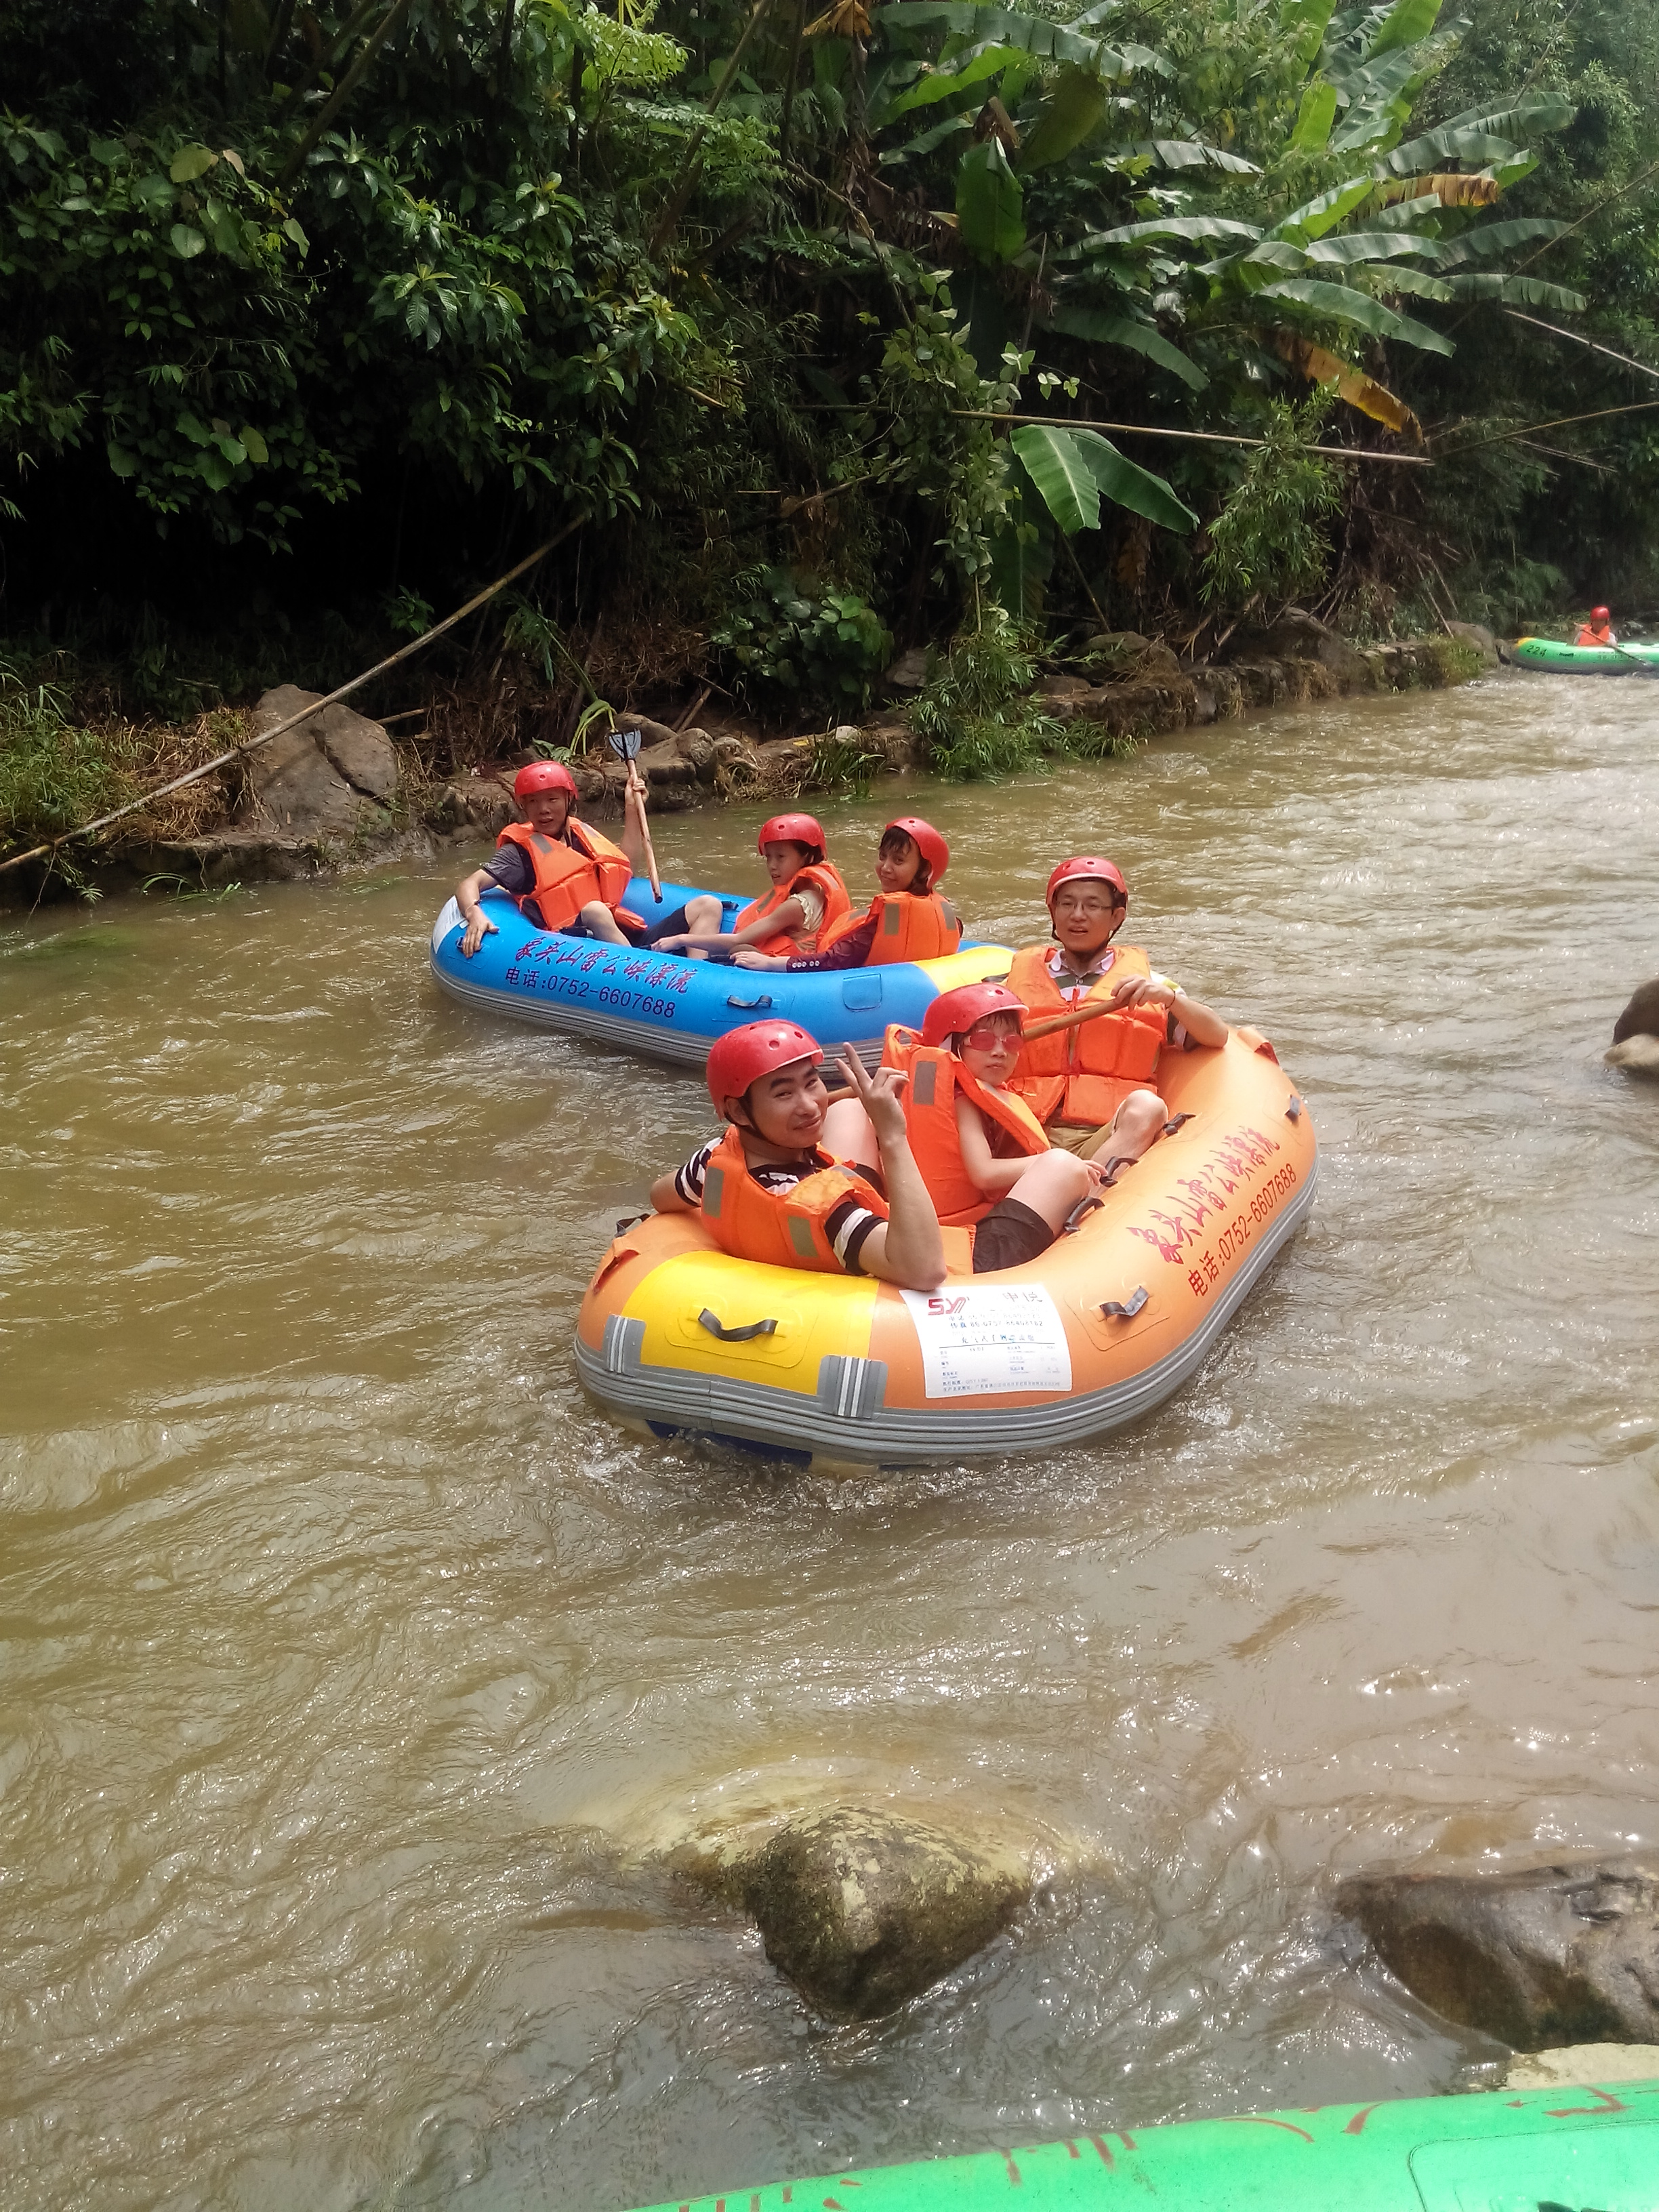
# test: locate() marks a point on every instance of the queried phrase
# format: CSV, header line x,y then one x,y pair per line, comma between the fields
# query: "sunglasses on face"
x,y
985,1037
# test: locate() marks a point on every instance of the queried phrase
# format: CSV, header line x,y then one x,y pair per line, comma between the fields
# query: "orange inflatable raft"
x,y
679,1338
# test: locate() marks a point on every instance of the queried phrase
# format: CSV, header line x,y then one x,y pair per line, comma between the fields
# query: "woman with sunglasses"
x,y
984,1156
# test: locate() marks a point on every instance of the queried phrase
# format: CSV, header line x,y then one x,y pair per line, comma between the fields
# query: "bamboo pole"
x,y
252,744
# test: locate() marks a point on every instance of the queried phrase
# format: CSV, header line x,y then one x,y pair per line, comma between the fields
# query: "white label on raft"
x,y
979,1339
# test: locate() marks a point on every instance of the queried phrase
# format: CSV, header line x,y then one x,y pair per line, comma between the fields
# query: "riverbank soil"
x,y
343,788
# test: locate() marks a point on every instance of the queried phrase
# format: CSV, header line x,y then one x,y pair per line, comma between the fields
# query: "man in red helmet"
x,y
562,873
769,1191
1091,1087
1598,630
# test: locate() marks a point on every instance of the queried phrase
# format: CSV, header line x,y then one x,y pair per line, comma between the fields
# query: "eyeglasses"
x,y
985,1035
1086,909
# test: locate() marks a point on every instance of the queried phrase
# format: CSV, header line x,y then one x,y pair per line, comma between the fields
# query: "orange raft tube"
x,y
679,1338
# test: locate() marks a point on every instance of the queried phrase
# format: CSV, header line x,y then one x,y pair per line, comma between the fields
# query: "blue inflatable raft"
x,y
673,1007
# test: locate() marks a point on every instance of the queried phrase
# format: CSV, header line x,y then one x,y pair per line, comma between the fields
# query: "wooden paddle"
x,y
625,744
1069,1020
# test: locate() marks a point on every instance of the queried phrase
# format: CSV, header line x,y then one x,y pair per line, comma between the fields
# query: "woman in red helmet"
x,y
808,894
768,1190
1598,630
983,1154
1091,1087
563,874
907,919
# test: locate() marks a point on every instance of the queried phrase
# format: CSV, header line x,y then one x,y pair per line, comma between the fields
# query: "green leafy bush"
x,y
789,643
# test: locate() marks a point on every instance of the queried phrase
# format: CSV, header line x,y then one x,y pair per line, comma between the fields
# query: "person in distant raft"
x,y
1090,1086
907,919
768,1190
807,897
1598,630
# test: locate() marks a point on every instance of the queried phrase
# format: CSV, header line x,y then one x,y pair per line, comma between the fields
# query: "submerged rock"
x,y
1536,1955
1636,1033
863,1910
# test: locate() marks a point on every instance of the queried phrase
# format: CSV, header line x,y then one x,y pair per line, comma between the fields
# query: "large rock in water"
x,y
1636,1033
1538,1955
330,776
863,1910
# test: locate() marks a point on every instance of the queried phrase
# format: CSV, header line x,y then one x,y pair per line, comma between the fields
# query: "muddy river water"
x,y
351,1661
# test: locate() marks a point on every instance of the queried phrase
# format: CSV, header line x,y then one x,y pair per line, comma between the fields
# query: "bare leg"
x,y
848,1135
703,915
1051,1186
1135,1128
598,921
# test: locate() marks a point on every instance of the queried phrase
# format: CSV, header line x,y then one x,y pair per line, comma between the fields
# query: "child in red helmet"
x,y
767,1189
984,1156
907,919
1598,630
563,874
808,894
1091,1087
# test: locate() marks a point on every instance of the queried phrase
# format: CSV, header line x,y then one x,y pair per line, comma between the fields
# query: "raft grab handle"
x,y
1121,1310
711,1321
750,1006
1293,1111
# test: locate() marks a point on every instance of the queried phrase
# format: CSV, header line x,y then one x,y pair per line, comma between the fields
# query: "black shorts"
x,y
1010,1235
641,935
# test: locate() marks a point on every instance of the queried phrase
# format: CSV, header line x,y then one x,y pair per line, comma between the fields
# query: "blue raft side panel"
x,y
663,1003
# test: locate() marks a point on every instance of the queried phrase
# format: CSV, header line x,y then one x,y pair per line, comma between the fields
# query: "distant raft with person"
x,y
680,1337
673,1007
1552,658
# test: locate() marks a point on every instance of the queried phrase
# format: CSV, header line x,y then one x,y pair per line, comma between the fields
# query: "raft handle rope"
x,y
1126,1309
711,1321
277,729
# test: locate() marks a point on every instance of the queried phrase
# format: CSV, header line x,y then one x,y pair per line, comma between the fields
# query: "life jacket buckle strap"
x,y
1126,1308
711,1321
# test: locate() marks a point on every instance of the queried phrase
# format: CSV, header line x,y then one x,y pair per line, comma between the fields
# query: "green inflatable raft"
x,y
1548,653
1536,2150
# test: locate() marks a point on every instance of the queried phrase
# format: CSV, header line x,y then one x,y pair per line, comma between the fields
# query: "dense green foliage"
x,y
820,314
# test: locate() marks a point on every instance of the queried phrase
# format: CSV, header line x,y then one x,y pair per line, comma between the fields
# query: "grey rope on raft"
x,y
264,737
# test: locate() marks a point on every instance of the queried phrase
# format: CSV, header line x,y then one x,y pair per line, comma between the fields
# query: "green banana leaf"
x,y
1516,292
1188,227
990,205
1075,109
1098,329
941,83
1405,23
1316,216
1314,117
1345,304
1499,238
1072,469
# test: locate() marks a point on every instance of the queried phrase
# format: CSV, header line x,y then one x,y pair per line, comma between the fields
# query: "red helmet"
x,y
953,1011
791,829
743,1056
927,841
1090,869
1600,614
544,775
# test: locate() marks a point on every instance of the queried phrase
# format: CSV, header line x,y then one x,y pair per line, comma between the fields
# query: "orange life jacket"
x,y
908,927
827,878
1590,635
782,1229
937,1079
1082,1076
570,875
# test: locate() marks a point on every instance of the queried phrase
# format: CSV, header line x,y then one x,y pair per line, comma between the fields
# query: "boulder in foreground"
x,y
863,1910
1535,1956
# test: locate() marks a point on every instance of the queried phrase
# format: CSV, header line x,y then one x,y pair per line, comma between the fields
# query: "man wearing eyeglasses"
x,y
1092,1086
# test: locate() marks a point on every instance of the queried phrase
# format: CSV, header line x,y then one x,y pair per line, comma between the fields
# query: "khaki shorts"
x,y
1083,1142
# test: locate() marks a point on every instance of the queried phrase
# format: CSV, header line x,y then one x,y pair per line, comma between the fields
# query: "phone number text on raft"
x,y
579,987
